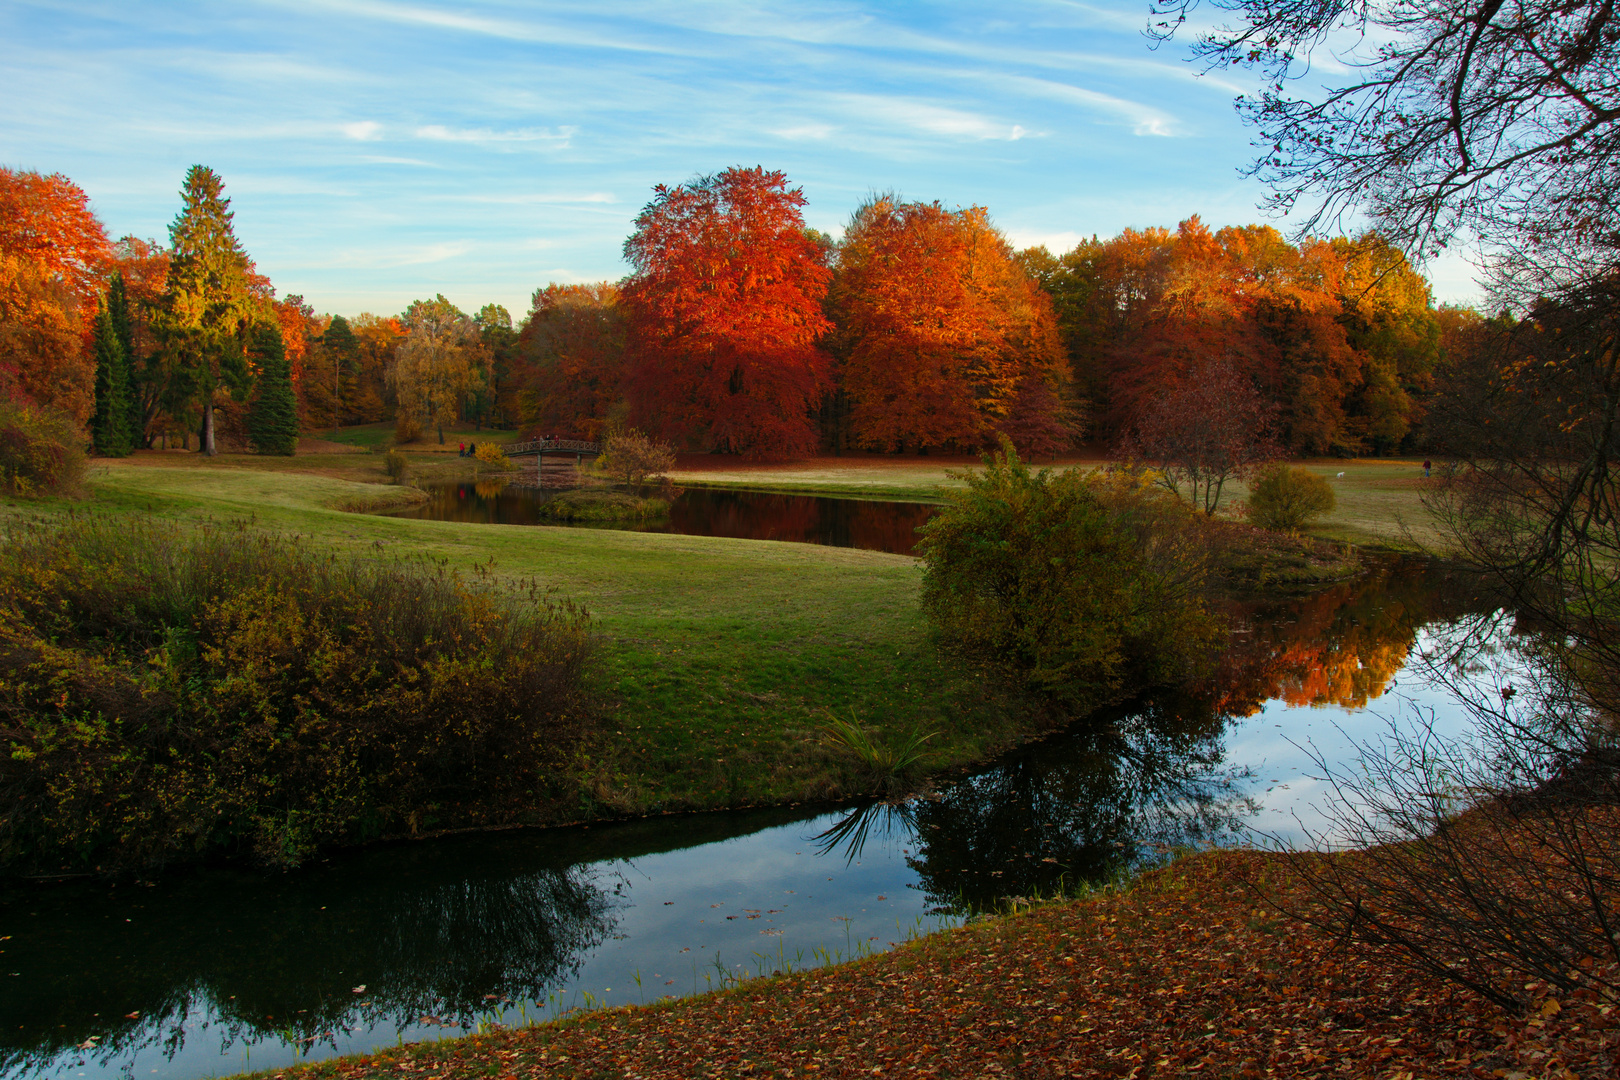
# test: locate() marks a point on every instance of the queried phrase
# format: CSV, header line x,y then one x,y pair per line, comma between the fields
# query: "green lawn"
x,y
719,658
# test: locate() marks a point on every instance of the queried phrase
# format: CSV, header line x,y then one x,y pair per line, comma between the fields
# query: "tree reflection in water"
x,y
1078,808
282,957
1124,786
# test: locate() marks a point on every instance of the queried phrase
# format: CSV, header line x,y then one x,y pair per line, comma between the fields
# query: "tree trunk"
x,y
208,448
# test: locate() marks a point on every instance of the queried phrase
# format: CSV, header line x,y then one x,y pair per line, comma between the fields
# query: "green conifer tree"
x,y
273,417
109,427
210,302
124,328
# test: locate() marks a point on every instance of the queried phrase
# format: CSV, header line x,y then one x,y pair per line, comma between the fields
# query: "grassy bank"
x,y
1378,499
1187,973
722,659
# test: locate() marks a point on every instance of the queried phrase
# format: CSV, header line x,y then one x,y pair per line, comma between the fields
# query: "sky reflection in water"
x,y
228,970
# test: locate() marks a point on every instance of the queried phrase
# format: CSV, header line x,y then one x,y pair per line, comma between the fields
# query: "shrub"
x,y
167,695
1284,498
398,466
407,428
41,451
596,505
633,457
491,454
1081,587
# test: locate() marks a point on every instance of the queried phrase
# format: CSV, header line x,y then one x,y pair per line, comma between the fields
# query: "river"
x,y
216,970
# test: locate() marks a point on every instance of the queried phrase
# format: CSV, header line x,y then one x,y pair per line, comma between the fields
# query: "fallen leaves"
x,y
1182,975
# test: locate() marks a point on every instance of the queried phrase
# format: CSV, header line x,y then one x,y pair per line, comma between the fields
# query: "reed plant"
x,y
886,765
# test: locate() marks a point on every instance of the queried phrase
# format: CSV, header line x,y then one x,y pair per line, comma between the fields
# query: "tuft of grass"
x,y
887,765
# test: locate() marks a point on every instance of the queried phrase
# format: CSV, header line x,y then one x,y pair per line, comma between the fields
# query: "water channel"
x,y
218,970
749,515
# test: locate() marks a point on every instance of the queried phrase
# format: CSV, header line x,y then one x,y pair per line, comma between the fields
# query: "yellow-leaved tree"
x,y
439,362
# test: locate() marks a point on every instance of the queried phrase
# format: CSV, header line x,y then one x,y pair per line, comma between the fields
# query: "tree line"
x,y
739,330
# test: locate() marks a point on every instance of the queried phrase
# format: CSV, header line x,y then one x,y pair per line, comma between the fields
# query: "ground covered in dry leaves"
x,y
1187,973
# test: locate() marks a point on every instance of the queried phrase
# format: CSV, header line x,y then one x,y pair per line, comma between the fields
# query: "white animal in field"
x,y
1339,475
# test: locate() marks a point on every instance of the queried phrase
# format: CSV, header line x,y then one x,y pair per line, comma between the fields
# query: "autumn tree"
x,y
42,359
1340,335
571,363
53,252
211,299
499,342
440,360
134,296
633,457
377,337
941,331
724,315
48,221
334,367
1212,428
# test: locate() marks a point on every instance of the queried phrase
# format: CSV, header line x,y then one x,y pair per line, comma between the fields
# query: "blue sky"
x,y
381,150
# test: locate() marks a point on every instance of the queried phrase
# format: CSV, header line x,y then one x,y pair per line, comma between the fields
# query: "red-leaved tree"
x,y
724,314
1211,428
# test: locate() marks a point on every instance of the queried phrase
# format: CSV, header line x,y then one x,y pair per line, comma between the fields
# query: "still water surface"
x,y
218,970
748,515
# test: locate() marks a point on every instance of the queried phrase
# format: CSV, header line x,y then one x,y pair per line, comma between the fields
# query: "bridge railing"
x,y
549,446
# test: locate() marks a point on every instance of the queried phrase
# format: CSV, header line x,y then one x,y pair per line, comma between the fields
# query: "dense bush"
x,y
1083,587
166,695
398,466
1284,498
41,451
492,454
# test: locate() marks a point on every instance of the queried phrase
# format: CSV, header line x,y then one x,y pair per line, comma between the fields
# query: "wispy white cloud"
x,y
372,259
933,119
545,136
364,130
544,198
810,130
506,29
1143,119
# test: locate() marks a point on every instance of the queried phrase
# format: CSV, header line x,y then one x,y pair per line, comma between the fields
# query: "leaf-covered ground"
x,y
1189,973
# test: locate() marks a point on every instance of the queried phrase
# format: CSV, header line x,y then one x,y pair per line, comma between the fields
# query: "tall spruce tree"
x,y
273,417
123,325
343,349
210,302
109,427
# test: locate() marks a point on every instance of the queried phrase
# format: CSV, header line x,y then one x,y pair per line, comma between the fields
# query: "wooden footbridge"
x,y
578,448
556,461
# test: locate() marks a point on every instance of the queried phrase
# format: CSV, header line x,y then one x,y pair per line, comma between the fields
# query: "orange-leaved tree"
x,y
571,359
53,256
944,337
725,313
47,219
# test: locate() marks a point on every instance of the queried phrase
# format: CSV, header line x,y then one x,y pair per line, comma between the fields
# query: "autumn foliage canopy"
x,y
725,315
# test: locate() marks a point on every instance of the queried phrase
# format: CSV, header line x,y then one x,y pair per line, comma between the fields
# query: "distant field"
x,y
1378,500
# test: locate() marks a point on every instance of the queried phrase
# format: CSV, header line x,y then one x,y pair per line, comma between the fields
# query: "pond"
x,y
749,515
219,970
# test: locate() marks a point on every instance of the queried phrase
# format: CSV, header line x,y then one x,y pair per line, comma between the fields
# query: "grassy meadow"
x,y
1378,499
721,659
